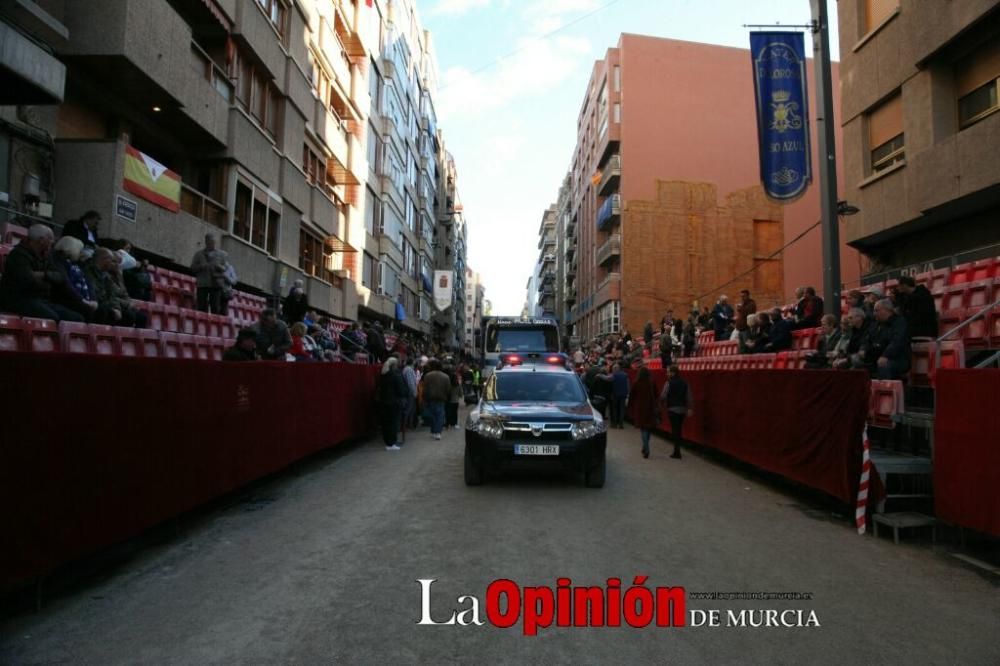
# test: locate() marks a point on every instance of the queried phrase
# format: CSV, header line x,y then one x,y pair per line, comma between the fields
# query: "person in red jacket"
x,y
645,407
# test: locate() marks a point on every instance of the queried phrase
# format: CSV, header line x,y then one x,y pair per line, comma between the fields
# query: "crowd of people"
x,y
422,392
74,278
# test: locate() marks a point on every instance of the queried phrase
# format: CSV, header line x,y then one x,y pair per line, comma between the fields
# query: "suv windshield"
x,y
535,386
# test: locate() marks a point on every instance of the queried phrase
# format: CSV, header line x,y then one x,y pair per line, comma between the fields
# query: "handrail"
x,y
939,340
990,360
882,275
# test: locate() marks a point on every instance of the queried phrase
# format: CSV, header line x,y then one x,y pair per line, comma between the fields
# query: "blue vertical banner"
x,y
779,78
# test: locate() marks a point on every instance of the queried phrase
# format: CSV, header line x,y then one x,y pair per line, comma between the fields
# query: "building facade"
x,y
659,112
302,132
545,285
919,80
475,297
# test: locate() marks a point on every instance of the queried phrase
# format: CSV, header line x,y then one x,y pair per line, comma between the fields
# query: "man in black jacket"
x,y
886,348
917,307
779,335
31,285
85,228
859,333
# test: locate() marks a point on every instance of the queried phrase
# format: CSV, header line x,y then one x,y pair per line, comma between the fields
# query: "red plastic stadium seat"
x,y
218,348
960,274
203,347
979,294
75,338
886,401
954,298
188,345
976,334
105,341
156,318
171,319
213,325
984,269
129,341
189,321
11,333
923,367
938,280
40,335
161,293
227,330
170,346
993,326
14,234
150,341
781,361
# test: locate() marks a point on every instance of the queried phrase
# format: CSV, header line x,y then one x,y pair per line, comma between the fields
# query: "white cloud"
x,y
455,7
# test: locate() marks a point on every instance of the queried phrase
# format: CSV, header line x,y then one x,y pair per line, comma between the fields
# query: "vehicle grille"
x,y
525,430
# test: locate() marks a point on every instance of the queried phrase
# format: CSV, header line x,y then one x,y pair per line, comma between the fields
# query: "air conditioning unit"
x,y
342,273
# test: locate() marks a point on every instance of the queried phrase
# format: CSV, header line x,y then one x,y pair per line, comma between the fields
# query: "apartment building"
x,y
566,257
663,201
450,252
545,296
920,83
475,293
301,132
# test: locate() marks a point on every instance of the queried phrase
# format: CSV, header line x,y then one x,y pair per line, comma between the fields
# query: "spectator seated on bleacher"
x,y
753,338
245,348
375,342
722,318
351,342
840,350
78,295
273,338
826,347
326,346
886,350
113,304
303,346
873,296
860,325
31,286
809,310
780,333
84,229
916,304
135,273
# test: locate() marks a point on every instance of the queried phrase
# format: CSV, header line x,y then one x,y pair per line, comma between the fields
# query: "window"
x,y
885,134
374,152
314,257
618,78
608,317
255,93
373,214
977,83
275,12
368,270
314,167
256,217
411,217
878,11
618,112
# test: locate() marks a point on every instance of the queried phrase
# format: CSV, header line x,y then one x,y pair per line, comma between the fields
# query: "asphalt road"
x,y
321,566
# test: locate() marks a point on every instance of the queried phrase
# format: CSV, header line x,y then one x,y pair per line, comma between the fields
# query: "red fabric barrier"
x,y
93,450
967,449
805,425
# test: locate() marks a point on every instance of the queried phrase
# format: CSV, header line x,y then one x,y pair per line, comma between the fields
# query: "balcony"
x,y
570,251
610,279
547,279
610,249
203,207
610,176
570,294
546,241
610,212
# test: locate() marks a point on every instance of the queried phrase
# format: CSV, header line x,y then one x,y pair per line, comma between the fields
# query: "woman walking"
x,y
454,397
645,407
680,403
392,396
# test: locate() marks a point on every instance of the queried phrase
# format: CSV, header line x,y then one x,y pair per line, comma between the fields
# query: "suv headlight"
x,y
489,428
588,429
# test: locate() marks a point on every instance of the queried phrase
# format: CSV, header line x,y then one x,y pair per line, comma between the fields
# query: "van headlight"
x,y
588,429
489,428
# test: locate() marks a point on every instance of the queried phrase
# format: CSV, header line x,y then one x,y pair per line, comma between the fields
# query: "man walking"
x,y
679,400
437,391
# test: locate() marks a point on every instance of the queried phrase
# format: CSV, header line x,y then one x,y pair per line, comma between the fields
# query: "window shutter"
x,y
885,122
979,68
877,11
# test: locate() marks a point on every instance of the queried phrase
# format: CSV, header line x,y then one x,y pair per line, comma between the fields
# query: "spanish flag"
x,y
147,178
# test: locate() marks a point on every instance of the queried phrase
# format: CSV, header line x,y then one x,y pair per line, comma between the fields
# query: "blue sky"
x,y
512,126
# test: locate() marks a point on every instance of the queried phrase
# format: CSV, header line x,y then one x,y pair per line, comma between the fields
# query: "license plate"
x,y
536,449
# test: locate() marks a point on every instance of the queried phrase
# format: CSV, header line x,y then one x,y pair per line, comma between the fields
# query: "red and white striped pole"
x,y
866,469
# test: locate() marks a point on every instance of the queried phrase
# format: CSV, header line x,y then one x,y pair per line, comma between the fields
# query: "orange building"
x,y
666,144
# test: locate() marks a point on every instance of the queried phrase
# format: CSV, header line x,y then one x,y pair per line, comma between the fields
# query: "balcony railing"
x,y
610,212
611,248
610,176
212,72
